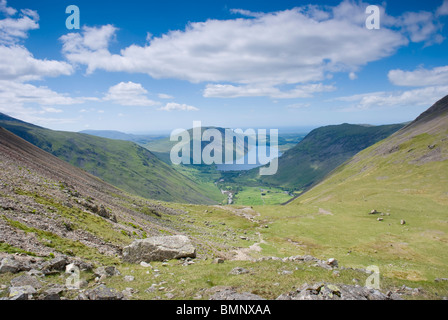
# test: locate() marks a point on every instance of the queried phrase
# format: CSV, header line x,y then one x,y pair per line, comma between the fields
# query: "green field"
x,y
256,196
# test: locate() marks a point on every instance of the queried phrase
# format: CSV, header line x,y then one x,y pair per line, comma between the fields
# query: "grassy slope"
x,y
401,176
323,150
121,163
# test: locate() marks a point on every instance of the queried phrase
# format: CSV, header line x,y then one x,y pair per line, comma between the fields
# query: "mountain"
x,y
320,152
404,178
162,147
123,164
117,135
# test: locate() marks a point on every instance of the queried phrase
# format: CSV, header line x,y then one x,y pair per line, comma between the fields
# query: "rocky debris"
x,y
229,293
22,293
53,293
402,222
106,272
380,219
159,249
333,262
9,265
26,280
104,293
102,212
441,279
55,265
374,212
129,278
324,291
218,261
238,270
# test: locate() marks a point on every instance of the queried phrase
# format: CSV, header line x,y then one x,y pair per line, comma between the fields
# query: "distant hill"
x,y
320,152
117,135
123,164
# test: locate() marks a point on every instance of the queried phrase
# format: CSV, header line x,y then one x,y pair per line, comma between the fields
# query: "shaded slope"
x,y
120,163
323,150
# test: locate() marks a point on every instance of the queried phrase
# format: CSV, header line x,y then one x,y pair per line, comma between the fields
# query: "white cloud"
x,y
165,96
416,97
420,77
172,106
129,94
298,106
13,30
28,102
230,91
17,63
13,94
5,9
352,76
287,47
443,9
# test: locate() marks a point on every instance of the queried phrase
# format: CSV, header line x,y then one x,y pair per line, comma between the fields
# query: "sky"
x,y
156,66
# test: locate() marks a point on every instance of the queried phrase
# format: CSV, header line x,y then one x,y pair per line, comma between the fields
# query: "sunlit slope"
x,y
123,164
405,177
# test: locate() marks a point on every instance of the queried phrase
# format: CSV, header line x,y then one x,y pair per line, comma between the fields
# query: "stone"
x,y
323,291
26,280
21,293
129,278
238,271
145,265
106,272
333,262
159,249
227,293
402,222
373,212
218,261
9,265
104,293
56,264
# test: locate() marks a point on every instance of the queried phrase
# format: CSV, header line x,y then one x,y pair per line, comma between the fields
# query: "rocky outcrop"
x,y
104,293
324,291
159,249
228,293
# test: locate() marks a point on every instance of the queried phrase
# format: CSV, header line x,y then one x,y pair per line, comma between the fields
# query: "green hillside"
x,y
121,163
405,179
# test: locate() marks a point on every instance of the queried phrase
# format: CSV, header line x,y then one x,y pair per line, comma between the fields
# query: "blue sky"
x,y
144,66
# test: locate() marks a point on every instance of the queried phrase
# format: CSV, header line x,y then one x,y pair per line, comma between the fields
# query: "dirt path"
x,y
244,254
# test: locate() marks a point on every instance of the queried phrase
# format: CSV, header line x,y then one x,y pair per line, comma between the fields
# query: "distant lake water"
x,y
246,166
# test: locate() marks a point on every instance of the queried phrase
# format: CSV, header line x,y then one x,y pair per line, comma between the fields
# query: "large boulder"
x,y
159,249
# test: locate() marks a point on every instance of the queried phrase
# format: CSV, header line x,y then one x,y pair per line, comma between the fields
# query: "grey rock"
x,y
21,293
159,249
55,265
325,291
9,265
129,278
26,280
218,261
107,272
238,271
226,293
104,293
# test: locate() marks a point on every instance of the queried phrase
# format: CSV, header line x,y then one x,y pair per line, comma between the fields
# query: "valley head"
x,y
213,146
